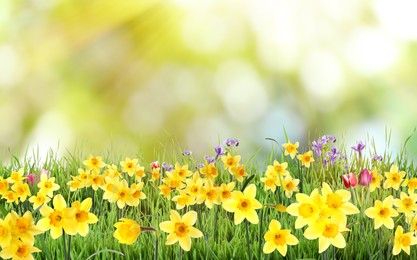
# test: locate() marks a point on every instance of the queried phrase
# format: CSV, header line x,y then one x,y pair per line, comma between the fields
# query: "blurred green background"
x,y
139,76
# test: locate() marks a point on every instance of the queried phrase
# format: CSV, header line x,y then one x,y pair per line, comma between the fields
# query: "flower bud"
x,y
365,177
349,180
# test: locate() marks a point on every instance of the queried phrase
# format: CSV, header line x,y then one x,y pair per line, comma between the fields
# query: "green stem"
x,y
364,236
247,239
334,254
180,253
216,216
156,246
69,248
380,243
64,244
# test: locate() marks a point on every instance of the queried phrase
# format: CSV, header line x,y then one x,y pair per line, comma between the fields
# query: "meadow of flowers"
x,y
322,201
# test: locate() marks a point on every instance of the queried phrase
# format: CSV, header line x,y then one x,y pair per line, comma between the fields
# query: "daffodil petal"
x,y
185,243
269,247
324,243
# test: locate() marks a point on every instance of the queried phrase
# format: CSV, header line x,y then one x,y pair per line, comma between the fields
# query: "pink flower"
x,y
365,177
349,180
32,179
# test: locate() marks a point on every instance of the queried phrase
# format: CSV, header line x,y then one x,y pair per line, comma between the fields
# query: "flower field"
x,y
321,200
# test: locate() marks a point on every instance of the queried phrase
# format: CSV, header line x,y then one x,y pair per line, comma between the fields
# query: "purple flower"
x,y
325,161
187,153
333,154
199,166
219,151
210,159
317,147
231,142
167,167
377,158
359,147
328,139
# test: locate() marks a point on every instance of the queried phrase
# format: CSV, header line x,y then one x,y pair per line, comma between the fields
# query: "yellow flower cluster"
x,y
112,180
383,212
72,220
324,214
277,175
14,189
17,236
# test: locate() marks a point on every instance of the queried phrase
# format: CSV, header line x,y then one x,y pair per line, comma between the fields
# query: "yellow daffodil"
x,y
112,171
137,194
337,204
291,149
277,238
11,197
22,190
209,195
39,199
403,241
24,227
140,172
290,185
393,178
17,176
75,184
270,182
281,208
48,185
4,185
122,194
279,169
239,172
110,188
328,232
230,161
180,229
406,204
174,181
225,191
5,231
182,171
155,175
127,231
244,205
58,219
19,250
165,191
209,171
84,176
194,185
306,158
184,199
83,216
94,163
95,180
129,166
411,183
382,212
307,208
376,180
